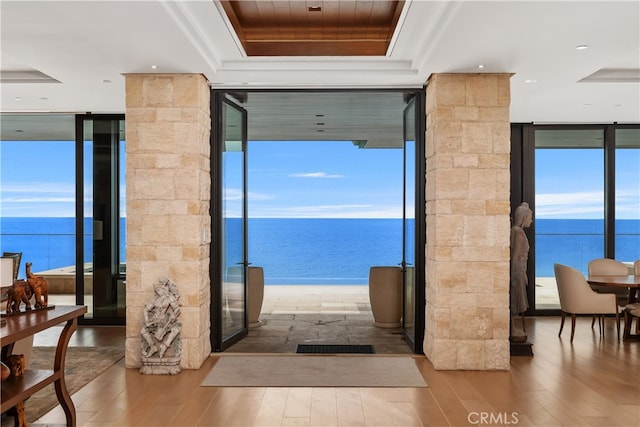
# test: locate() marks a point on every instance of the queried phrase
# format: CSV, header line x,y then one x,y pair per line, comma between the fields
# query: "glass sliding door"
x,y
229,272
100,263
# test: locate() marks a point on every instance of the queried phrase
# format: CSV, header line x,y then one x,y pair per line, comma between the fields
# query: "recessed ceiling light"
x,y
586,105
618,105
320,124
154,66
19,130
481,66
106,81
319,115
17,98
531,81
582,47
319,130
44,98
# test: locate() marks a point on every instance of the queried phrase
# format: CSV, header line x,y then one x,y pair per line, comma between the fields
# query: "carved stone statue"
x,y
161,344
519,303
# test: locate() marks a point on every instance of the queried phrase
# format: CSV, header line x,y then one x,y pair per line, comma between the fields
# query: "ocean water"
x,y
324,251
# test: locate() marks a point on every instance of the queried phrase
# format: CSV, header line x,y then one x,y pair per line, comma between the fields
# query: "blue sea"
x,y
324,251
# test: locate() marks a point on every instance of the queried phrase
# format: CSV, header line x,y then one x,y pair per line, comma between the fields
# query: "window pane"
x,y
569,214
627,248
37,195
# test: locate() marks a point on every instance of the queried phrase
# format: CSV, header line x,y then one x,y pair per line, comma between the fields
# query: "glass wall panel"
x,y
37,198
627,195
103,221
569,205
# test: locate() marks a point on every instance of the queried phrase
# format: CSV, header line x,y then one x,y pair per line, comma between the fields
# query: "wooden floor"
x,y
590,382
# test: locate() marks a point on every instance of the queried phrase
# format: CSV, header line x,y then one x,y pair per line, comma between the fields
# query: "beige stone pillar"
x,y
168,192
468,180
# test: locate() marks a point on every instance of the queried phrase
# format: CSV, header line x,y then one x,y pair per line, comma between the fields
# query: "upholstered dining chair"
x,y
577,297
609,267
632,311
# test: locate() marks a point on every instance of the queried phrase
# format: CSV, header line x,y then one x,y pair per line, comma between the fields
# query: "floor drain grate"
x,y
335,349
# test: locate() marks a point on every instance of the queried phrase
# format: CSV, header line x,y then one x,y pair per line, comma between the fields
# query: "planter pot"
x,y
385,295
256,295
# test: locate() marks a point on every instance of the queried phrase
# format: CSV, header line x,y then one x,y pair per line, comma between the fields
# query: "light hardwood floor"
x,y
593,381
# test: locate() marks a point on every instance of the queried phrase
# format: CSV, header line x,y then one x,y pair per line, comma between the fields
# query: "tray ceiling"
x,y
314,28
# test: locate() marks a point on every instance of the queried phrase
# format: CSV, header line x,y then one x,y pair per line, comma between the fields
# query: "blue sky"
x,y
37,178
570,183
324,179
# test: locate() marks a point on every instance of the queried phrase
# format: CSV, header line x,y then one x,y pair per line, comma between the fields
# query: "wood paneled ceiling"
x,y
314,28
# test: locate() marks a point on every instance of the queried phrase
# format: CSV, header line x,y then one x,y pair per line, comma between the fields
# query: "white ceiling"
x,y
87,46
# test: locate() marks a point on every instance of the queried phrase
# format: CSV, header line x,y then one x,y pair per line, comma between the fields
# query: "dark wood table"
x,y
630,282
18,326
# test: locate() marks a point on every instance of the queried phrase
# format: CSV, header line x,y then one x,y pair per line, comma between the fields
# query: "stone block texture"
x,y
168,194
467,193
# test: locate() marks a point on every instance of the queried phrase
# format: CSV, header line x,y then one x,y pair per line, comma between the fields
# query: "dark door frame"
x,y
218,341
416,95
109,142
416,340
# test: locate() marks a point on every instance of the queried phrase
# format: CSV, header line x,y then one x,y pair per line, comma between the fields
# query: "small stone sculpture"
x,y
161,344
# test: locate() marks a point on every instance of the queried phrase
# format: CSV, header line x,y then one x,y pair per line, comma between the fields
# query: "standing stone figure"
x,y
161,344
519,303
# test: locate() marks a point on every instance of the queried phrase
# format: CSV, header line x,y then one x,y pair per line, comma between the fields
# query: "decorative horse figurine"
x,y
40,287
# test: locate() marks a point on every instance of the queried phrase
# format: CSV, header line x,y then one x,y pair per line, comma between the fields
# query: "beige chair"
x,y
632,311
610,267
577,297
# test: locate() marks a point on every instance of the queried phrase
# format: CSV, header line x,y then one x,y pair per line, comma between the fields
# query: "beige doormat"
x,y
314,371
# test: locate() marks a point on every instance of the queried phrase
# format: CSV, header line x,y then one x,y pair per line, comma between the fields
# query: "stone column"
x,y
468,180
168,193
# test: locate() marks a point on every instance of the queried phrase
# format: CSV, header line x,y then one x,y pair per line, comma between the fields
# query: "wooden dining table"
x,y
630,282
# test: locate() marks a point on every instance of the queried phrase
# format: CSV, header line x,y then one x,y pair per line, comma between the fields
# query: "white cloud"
x,y
582,204
39,187
315,175
236,194
46,199
232,194
586,205
259,196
